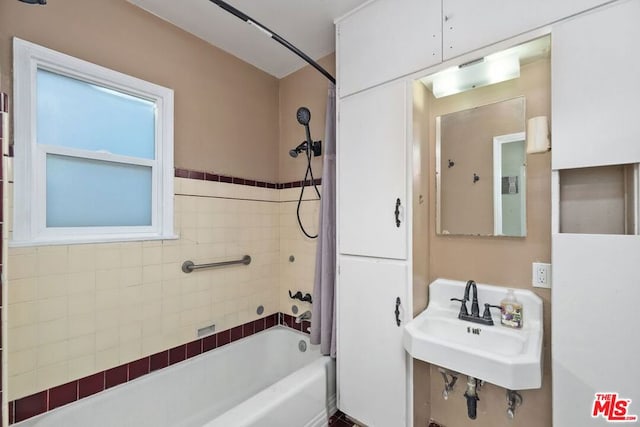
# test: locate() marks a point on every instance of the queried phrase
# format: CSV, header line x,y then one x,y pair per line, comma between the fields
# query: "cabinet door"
x,y
387,39
594,339
472,24
595,85
372,165
372,364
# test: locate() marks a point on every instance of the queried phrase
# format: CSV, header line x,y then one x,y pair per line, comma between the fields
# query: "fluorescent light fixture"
x,y
481,72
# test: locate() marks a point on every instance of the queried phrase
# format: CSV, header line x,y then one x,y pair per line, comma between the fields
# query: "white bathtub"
x,y
262,380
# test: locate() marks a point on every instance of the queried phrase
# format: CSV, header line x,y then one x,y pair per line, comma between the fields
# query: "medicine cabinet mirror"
x,y
475,116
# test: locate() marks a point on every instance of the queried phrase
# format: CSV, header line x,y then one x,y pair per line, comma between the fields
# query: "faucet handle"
x,y
463,307
487,311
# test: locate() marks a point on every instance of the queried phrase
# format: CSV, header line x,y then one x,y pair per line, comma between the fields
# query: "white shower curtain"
x,y
323,319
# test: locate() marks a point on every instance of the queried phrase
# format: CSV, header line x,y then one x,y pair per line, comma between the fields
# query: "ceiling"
x,y
307,24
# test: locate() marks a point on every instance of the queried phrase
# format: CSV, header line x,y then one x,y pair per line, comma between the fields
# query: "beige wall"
x,y
306,87
500,261
226,111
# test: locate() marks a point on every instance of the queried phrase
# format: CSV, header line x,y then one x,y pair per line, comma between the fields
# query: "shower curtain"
x,y
323,324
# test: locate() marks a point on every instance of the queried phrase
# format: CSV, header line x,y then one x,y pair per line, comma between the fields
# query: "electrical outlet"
x,y
541,275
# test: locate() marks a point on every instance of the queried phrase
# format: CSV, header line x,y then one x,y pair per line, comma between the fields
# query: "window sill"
x,y
89,240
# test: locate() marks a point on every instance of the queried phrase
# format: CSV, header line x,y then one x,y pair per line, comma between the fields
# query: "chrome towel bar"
x,y
189,266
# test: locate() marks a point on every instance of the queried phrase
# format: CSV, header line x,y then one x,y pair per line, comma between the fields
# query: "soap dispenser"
x,y
511,310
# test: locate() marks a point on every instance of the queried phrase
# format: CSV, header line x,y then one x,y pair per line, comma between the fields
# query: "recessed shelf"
x,y
599,200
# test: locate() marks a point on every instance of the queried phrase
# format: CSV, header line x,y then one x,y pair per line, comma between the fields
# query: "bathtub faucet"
x,y
304,316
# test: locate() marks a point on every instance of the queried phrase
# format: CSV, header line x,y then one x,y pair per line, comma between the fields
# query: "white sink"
x,y
509,358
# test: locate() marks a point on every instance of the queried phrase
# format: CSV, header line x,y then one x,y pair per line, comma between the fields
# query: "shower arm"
x,y
238,14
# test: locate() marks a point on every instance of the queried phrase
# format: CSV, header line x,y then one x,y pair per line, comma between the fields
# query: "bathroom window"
x,y
93,152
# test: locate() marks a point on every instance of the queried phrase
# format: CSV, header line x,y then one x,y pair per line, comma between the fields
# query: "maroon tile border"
x,y
30,406
90,385
206,176
139,368
38,403
116,376
63,394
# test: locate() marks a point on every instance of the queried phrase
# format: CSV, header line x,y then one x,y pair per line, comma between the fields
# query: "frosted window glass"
x,y
92,193
76,114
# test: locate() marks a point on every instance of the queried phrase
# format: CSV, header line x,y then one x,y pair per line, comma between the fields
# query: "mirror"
x,y
481,170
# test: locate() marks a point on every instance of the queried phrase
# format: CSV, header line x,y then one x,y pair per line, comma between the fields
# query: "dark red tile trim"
x,y
139,368
181,173
206,176
90,385
63,394
223,338
116,376
30,406
209,343
194,348
159,360
177,354
236,333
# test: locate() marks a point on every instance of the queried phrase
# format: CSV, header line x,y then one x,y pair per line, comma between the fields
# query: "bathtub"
x,y
262,380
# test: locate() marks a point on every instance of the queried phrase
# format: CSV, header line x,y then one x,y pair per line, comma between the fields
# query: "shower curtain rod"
x,y
235,12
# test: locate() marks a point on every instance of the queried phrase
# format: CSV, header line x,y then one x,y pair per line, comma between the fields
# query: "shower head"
x,y
304,116
40,2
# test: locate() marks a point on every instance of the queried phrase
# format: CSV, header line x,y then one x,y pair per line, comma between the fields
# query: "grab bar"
x,y
189,266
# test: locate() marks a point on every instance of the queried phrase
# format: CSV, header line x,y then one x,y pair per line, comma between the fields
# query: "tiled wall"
x,y
80,309
297,275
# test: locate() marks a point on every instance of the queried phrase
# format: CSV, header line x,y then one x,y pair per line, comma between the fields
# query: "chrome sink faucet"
x,y
475,309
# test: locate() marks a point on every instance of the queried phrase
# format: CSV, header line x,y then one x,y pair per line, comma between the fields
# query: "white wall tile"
x,y
93,307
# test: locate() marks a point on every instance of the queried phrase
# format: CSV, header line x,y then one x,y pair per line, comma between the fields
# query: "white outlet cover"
x,y
541,275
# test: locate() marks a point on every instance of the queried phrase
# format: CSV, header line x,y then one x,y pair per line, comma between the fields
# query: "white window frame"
x,y
29,219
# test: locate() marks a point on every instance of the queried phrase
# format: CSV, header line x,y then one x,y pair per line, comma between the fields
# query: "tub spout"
x,y
304,316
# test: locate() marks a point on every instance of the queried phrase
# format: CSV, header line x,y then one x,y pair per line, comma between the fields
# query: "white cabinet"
x,y
372,364
387,39
372,177
596,86
471,24
595,291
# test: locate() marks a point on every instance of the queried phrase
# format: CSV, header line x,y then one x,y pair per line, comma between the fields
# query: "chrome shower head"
x,y
293,153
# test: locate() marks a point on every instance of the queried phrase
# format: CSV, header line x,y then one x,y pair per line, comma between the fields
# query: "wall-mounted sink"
x,y
510,358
